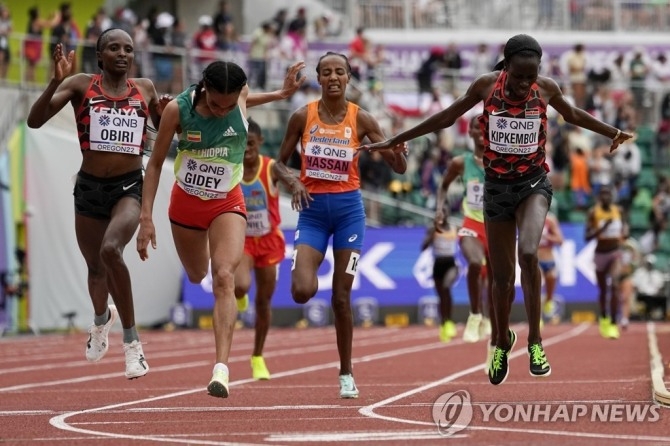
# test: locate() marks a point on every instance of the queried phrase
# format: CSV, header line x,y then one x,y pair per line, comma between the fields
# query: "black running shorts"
x,y
96,197
502,197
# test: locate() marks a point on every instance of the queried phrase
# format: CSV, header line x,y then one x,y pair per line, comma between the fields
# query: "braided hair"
x,y
223,77
522,45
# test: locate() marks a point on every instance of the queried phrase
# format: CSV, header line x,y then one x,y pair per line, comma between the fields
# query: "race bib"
x,y
474,195
513,136
204,179
111,132
258,223
328,163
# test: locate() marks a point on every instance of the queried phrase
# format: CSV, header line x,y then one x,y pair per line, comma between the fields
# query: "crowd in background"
x,y
627,92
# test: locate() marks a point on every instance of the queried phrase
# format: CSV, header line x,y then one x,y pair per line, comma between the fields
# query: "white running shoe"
x,y
471,332
485,328
218,386
348,387
136,365
98,337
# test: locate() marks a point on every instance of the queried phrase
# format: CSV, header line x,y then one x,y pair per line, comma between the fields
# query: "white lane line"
x,y
367,436
660,393
318,345
60,422
168,368
369,411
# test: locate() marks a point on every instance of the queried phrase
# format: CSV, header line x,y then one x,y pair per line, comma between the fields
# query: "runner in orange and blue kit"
x,y
517,193
264,244
328,196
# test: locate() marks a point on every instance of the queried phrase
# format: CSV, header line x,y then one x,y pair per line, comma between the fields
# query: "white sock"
x,y
221,366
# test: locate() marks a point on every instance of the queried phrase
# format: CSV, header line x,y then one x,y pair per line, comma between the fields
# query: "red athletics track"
x,y
49,394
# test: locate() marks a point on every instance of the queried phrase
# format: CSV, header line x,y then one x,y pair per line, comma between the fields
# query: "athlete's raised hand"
x,y
620,138
63,66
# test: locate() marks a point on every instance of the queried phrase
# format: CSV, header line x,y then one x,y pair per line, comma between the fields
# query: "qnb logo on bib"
x,y
513,135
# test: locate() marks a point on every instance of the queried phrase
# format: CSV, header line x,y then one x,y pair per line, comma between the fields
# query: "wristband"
x,y
618,133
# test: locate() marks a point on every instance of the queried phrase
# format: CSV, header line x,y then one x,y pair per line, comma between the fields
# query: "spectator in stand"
x,y
426,74
639,70
601,171
93,31
481,61
359,54
32,46
619,76
222,21
579,178
375,177
279,21
293,45
299,21
576,71
5,31
660,210
162,61
453,63
204,42
65,31
627,166
178,45
262,41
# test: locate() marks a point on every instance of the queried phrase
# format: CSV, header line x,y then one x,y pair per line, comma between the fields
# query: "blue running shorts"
x,y
341,215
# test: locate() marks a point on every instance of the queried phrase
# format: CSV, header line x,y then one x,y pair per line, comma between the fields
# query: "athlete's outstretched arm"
x,y
168,127
291,85
368,127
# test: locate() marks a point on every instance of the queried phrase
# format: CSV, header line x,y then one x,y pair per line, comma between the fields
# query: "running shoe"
x,y
258,368
549,309
499,368
471,332
539,366
348,387
218,386
604,326
613,332
451,329
242,303
485,328
490,350
98,337
447,331
136,365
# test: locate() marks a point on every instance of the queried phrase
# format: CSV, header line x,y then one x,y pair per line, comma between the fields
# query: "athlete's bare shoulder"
x,y
483,84
549,87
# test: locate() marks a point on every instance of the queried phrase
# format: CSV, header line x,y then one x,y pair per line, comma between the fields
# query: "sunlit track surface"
x,y
49,394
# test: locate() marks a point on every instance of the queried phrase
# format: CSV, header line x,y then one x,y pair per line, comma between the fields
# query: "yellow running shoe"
x,y
445,332
613,331
604,326
451,328
242,303
258,369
